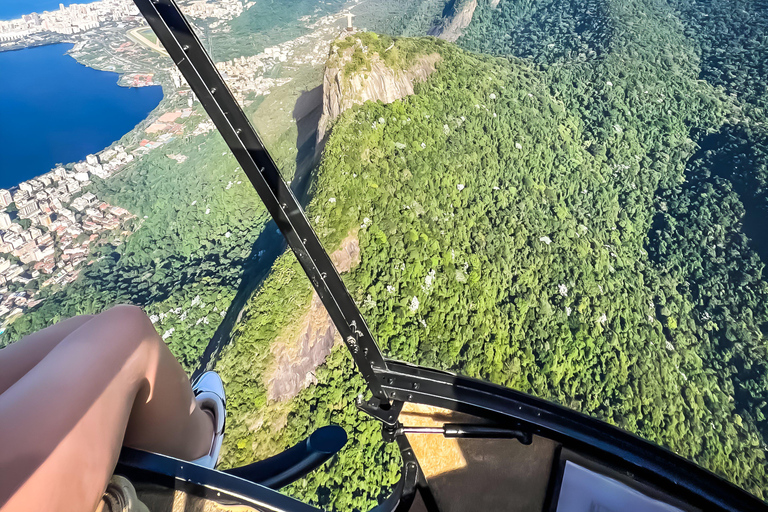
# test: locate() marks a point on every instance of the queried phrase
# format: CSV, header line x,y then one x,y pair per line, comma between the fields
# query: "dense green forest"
x,y
579,218
732,44
544,31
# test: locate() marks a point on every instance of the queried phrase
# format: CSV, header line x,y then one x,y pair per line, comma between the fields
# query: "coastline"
x,y
51,111
261,83
51,251
34,44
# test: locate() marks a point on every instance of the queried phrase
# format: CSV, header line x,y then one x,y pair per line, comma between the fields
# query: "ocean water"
x,y
55,110
11,9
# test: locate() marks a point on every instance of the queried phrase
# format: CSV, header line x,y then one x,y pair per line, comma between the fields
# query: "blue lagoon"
x,y
55,110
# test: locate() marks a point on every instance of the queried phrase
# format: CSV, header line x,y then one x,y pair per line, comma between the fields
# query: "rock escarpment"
x,y
346,84
297,358
359,69
459,18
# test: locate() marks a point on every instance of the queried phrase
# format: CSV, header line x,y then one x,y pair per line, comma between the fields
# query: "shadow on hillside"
x,y
270,244
728,160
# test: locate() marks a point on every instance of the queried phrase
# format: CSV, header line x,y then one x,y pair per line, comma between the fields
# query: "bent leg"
x,y
63,423
20,357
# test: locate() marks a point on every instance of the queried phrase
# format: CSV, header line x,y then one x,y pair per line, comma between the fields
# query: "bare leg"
x,y
17,359
62,424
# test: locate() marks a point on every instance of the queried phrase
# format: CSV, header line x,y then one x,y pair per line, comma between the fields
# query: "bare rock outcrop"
x,y
452,26
377,82
295,359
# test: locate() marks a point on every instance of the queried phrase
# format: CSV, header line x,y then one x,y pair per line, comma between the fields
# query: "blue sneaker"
x,y
210,396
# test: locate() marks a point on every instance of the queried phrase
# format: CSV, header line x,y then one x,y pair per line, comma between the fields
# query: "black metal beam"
x,y
296,462
174,474
181,43
658,466
411,477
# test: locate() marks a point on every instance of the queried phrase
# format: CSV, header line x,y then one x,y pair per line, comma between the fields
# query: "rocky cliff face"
x,y
376,82
297,358
451,27
298,355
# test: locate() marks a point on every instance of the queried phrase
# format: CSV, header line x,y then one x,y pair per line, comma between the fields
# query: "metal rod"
x,y
181,43
421,430
470,431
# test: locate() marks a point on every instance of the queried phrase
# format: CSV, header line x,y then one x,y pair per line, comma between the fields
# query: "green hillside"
x,y
572,221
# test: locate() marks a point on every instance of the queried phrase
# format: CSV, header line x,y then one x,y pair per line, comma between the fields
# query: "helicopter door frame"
x,y
616,448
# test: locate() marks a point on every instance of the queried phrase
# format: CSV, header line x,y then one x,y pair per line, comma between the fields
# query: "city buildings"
x,y
61,224
70,20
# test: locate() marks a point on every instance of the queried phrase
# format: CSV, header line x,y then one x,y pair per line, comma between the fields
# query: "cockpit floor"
x,y
478,474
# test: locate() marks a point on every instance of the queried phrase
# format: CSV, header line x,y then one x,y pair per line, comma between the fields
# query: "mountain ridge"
x,y
359,70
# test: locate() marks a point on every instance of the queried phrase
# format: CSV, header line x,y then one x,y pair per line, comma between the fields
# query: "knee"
x,y
131,321
128,311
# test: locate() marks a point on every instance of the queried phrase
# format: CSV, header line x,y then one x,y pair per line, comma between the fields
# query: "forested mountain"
x,y
200,238
579,217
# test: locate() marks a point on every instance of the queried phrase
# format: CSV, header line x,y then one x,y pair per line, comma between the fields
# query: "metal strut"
x,y
181,43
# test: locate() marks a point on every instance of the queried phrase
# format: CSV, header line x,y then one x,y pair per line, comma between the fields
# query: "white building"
x,y
5,198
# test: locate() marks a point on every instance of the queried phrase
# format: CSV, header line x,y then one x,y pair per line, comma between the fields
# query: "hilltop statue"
x,y
349,17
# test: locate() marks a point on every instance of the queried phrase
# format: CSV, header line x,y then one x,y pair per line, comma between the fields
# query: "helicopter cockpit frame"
x,y
654,477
